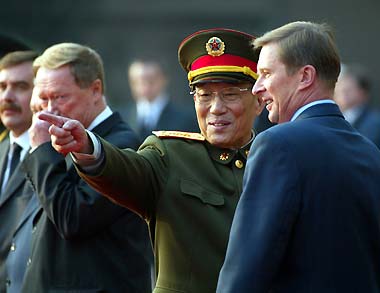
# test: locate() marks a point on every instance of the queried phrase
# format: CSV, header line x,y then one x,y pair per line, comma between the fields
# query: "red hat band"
x,y
224,63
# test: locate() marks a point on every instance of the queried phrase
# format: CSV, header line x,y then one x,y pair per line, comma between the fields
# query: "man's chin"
x,y
220,141
272,117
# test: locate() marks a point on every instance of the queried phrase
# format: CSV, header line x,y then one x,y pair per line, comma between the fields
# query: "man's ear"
x,y
96,87
308,75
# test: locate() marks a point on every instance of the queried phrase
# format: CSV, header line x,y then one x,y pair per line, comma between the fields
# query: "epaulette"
x,y
179,134
3,134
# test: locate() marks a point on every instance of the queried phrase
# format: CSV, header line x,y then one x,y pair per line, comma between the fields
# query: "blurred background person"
x,y
352,94
153,109
16,86
81,241
9,44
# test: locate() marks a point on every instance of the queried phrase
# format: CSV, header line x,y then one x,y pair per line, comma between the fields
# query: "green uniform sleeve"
x,y
132,179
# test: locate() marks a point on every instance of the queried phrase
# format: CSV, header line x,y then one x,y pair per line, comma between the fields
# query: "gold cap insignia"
x,y
215,46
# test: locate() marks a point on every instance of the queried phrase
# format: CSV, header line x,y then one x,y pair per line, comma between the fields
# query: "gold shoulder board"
x,y
179,134
3,134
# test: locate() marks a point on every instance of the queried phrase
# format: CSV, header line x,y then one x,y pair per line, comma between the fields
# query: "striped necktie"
x,y
15,158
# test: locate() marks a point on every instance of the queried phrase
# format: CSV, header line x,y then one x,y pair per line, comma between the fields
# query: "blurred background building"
x,y
121,30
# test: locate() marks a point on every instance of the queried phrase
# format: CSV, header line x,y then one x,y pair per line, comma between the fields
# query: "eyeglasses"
x,y
227,95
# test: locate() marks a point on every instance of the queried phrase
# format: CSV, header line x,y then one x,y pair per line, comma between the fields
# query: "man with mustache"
x,y
16,85
9,44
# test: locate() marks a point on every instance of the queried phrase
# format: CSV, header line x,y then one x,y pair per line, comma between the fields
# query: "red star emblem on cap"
x,y
215,46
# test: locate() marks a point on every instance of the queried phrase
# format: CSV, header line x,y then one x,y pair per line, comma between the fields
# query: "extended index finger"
x,y
51,118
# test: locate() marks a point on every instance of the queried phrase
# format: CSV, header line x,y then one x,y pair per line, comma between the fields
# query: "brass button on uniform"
x,y
28,263
13,247
239,164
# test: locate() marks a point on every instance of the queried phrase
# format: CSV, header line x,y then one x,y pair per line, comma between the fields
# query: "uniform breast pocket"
x,y
206,196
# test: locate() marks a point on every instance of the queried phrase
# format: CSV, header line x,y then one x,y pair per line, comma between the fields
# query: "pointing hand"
x,y
67,135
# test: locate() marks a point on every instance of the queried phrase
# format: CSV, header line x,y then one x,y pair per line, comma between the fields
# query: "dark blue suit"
x,y
19,253
12,204
308,219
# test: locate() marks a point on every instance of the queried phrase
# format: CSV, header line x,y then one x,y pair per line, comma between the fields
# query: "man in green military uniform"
x,y
186,185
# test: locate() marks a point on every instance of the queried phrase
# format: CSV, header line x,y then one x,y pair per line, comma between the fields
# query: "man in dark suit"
x,y
352,94
80,242
153,108
9,44
308,219
16,85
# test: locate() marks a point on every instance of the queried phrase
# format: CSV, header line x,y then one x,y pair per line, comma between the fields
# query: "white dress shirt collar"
x,y
107,112
307,106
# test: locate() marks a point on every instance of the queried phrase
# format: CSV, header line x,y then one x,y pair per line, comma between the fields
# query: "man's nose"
x,y
52,106
217,104
258,86
7,94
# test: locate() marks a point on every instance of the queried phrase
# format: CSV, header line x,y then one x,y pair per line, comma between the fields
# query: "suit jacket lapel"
x,y
4,149
17,178
14,181
31,207
105,127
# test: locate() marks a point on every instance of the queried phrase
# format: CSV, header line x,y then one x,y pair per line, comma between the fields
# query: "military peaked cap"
x,y
219,55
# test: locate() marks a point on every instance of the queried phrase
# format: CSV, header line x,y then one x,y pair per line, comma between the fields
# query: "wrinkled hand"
x,y
67,135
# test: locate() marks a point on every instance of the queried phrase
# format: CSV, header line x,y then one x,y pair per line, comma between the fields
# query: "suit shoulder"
x,y
281,134
179,135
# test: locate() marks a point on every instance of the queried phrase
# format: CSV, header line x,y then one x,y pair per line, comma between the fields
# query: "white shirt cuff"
x,y
82,159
